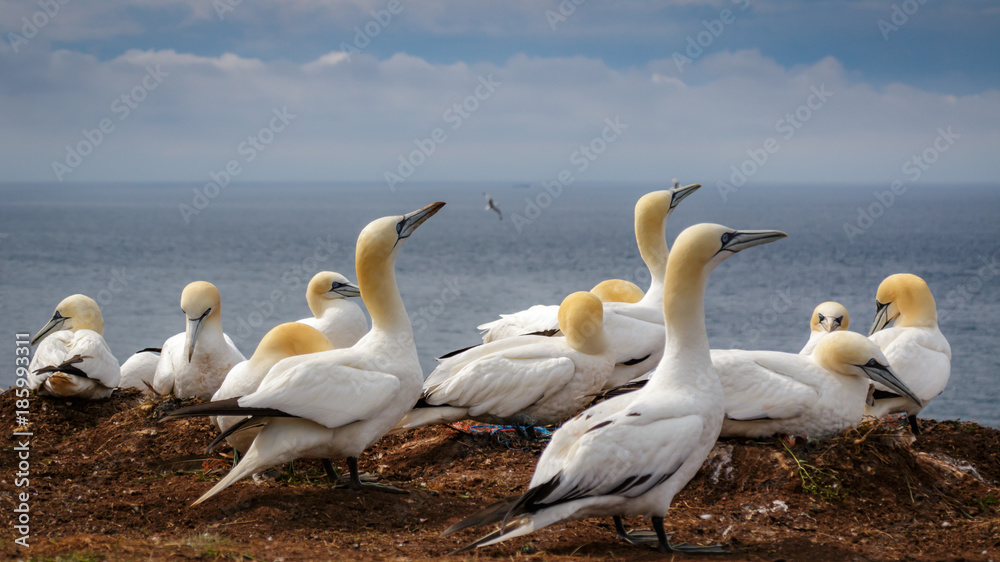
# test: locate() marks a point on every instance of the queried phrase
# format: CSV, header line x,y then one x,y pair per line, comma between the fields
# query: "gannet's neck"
x,y
377,280
651,237
316,304
684,319
917,310
211,328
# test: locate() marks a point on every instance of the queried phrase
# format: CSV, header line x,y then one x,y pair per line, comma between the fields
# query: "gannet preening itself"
x,y
334,314
292,339
635,330
914,345
618,290
72,358
195,363
631,454
139,369
336,403
523,381
828,317
817,395
492,206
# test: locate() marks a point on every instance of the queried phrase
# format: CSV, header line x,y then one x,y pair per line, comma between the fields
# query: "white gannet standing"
x,y
635,330
492,206
337,403
281,342
195,362
631,454
914,345
828,317
139,369
334,314
524,381
72,358
817,395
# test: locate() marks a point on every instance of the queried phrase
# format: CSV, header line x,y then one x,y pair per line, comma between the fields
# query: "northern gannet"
x,y
914,345
334,314
492,206
828,317
635,330
292,339
524,381
631,454
72,358
195,362
817,395
337,403
139,369
618,290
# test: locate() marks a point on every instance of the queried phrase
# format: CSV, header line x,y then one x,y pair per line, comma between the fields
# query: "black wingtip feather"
x,y
229,407
486,516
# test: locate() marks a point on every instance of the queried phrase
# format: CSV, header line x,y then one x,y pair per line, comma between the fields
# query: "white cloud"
x,y
353,119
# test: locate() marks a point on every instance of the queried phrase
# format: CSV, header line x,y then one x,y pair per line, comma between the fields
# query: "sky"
x,y
401,91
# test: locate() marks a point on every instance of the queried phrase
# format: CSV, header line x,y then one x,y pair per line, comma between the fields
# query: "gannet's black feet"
x,y
659,537
635,538
331,473
355,482
524,427
914,427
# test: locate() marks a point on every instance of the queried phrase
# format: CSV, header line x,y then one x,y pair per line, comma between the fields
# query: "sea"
x,y
133,247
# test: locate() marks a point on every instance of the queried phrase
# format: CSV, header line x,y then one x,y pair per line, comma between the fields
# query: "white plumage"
x,y
630,455
817,395
527,380
914,345
334,314
72,358
195,362
336,403
139,369
635,330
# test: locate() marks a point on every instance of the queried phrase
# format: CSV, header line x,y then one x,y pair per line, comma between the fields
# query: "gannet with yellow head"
x,y
618,290
337,403
817,395
334,314
195,363
827,317
72,358
289,340
635,330
631,454
914,344
523,381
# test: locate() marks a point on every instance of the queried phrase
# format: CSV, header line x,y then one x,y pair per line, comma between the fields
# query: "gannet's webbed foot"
x,y
524,427
663,544
355,482
635,538
331,472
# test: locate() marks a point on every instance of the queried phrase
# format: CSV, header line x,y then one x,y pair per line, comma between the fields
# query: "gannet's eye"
x,y
726,238
872,363
821,317
839,319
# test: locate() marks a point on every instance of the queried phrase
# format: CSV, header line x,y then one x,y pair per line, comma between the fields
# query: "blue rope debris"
x,y
505,434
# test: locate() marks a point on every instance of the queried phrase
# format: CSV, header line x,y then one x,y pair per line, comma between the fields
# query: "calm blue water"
x,y
129,247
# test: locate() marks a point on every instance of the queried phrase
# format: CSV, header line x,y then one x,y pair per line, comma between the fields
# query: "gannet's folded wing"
x,y
762,385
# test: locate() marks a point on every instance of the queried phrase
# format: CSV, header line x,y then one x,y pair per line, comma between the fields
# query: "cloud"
x,y
354,119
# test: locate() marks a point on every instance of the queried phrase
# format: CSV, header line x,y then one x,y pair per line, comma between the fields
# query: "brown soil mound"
x,y
105,482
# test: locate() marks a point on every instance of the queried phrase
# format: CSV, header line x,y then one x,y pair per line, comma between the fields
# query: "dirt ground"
x,y
105,483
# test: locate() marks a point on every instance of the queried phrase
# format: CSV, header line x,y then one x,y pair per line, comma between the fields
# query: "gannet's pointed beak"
x,y
346,290
743,239
885,375
411,221
881,317
54,325
191,333
681,192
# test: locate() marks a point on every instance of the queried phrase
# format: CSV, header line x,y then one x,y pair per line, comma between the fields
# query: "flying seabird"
x,y
492,206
